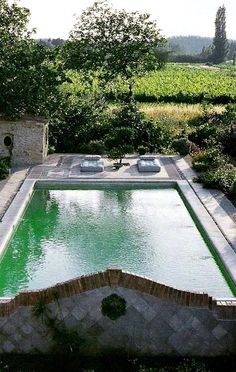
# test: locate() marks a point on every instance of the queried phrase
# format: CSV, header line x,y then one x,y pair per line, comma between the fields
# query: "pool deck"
x,y
66,168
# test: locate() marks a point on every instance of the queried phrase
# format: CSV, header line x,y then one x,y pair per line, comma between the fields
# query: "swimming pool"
x,y
146,230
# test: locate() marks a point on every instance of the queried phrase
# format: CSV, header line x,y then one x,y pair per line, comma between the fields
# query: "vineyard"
x,y
187,84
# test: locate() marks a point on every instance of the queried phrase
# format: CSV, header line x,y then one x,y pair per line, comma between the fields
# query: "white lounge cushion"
x,y
146,165
92,165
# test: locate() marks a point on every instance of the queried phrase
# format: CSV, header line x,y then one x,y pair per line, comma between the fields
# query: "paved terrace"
x,y
68,167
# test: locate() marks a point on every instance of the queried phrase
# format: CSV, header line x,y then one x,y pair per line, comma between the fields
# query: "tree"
x,y
28,75
220,42
119,143
113,43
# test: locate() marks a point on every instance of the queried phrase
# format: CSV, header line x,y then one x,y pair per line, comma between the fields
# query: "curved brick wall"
x,y
117,278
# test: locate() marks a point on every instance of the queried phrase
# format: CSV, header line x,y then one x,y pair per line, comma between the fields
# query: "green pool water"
x,y
67,233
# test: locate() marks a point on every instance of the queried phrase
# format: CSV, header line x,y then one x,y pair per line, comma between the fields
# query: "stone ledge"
x,y
114,278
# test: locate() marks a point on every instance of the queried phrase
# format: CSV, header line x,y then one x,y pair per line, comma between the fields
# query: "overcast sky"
x,y
55,18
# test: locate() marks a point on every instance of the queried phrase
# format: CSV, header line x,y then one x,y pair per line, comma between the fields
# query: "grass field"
x,y
178,112
177,117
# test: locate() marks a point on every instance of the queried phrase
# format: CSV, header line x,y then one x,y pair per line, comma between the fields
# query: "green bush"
x,y
78,122
232,190
181,145
142,150
113,306
160,137
209,158
204,133
96,147
4,168
223,178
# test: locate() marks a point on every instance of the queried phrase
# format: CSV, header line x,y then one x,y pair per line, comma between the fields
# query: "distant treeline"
x,y
179,44
195,45
51,42
189,44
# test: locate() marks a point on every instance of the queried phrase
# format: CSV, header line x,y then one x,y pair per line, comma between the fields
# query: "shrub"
x,y
204,133
222,178
96,147
142,150
209,158
113,306
78,122
160,137
4,167
232,190
181,145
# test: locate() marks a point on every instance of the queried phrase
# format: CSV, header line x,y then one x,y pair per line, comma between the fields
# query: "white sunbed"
x,y
148,163
92,163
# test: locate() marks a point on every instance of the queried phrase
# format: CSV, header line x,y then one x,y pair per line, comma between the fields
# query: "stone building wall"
x,y
158,319
26,141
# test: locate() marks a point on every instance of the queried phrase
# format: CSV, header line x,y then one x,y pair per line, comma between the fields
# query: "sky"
x,y
55,18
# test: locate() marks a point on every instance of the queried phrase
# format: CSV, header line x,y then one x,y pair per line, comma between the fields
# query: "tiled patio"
x,y
61,166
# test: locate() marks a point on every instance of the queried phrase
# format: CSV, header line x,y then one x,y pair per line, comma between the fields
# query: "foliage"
x,y
40,309
4,167
232,50
216,129
222,178
142,150
208,159
113,43
128,115
204,133
161,137
78,121
220,42
28,73
119,143
113,306
65,340
216,136
181,145
187,58
96,147
193,84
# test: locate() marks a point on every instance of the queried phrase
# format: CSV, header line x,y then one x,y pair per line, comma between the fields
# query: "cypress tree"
x,y
220,42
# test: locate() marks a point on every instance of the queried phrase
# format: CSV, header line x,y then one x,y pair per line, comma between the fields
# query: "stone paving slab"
x,y
10,187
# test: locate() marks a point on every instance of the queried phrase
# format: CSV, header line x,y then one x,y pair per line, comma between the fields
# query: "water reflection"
x,y
68,233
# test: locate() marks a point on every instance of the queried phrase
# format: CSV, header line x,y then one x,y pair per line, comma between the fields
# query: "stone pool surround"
x,y
205,323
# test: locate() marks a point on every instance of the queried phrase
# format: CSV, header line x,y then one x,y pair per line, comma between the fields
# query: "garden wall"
x,y
158,319
25,141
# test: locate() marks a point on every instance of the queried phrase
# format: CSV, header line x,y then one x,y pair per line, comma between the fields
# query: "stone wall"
x,y
158,319
26,141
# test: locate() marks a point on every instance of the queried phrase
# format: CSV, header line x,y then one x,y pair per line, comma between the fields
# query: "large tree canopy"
x,y
28,77
113,42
